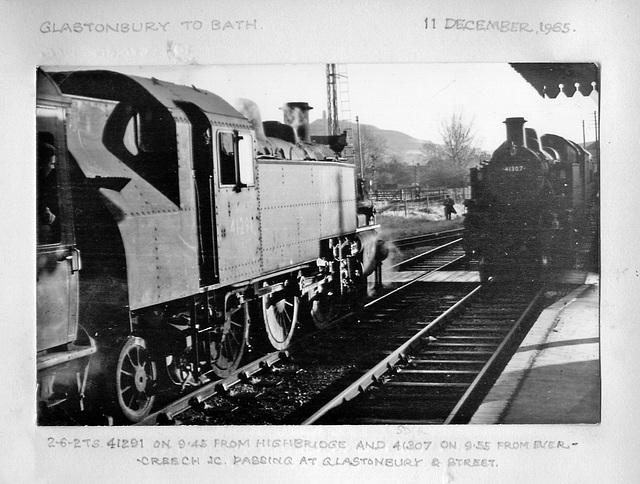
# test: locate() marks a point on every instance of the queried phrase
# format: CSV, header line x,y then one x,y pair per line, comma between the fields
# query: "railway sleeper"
x,y
459,354
449,363
435,364
417,411
507,313
443,345
470,331
429,385
503,303
473,339
487,320
446,376
409,393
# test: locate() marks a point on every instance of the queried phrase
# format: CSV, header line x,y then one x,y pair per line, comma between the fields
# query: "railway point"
x,y
554,376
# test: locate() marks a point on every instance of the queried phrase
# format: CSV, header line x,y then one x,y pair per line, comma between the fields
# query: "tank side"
x,y
302,203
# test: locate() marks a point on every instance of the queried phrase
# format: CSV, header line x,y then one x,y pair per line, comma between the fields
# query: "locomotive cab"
x,y
63,348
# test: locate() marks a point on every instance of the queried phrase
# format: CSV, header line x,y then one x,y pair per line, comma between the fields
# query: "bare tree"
x,y
458,141
448,164
430,151
374,152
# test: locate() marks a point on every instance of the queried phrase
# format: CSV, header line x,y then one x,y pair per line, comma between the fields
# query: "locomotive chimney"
x,y
296,115
515,131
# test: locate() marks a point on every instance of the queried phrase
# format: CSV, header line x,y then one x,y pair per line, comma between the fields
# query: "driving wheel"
x,y
228,349
135,379
280,313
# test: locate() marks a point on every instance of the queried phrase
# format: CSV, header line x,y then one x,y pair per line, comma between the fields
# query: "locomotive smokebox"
x,y
296,115
515,131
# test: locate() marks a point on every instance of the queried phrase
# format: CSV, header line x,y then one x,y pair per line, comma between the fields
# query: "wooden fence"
x,y
428,195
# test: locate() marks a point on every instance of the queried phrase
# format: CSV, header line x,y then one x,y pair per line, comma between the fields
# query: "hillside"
x,y
398,142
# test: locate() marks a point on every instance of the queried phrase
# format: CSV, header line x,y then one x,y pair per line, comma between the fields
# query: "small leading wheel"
x,y
228,349
280,313
135,378
324,309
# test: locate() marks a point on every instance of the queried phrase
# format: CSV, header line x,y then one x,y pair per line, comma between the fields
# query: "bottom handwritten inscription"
x,y
392,453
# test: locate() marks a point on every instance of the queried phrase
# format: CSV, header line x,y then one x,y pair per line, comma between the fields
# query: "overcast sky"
x,y
412,98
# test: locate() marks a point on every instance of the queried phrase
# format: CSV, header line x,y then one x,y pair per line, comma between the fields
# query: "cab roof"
x,y
115,86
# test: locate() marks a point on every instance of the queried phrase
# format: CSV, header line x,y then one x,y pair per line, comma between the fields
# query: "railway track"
x,y
439,374
435,238
433,258
420,247
426,356
195,399
260,372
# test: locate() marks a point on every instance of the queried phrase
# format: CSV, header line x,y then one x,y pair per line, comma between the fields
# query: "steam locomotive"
x,y
531,206
169,224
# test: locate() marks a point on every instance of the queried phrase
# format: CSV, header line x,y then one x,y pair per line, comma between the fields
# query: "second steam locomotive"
x,y
169,224
531,205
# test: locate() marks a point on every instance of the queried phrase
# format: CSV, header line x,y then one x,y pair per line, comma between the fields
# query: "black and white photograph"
x,y
205,264
332,242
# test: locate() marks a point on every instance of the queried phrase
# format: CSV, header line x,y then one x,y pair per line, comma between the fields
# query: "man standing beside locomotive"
x,y
448,207
47,193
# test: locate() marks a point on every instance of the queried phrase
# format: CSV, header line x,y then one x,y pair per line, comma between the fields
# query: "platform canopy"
x,y
549,79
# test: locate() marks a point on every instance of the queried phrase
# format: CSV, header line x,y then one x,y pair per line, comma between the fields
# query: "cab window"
x,y
227,159
144,138
245,150
235,153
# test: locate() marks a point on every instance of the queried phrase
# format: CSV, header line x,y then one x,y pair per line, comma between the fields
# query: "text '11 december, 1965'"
x,y
497,25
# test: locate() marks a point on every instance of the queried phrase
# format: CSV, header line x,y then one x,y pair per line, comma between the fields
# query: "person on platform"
x,y
448,207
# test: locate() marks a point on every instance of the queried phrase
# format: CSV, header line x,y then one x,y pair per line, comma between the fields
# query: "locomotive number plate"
x,y
513,168
242,226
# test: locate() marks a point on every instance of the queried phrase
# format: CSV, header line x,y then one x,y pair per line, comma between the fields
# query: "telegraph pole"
x,y
595,119
332,101
360,149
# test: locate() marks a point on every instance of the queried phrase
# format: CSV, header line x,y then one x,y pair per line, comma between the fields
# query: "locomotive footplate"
x,y
71,365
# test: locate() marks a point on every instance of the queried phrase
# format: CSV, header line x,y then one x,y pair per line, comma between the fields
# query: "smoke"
x,y
296,115
394,256
250,110
392,259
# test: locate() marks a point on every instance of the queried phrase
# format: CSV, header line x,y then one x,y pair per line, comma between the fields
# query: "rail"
x,y
425,238
460,413
429,253
439,375
195,398
373,376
